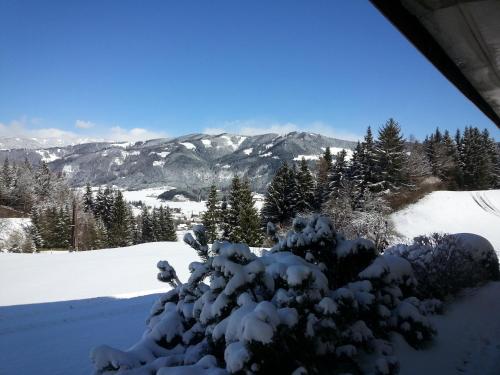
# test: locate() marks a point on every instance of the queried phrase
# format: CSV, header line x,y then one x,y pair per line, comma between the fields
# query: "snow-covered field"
x,y
54,307
453,212
187,207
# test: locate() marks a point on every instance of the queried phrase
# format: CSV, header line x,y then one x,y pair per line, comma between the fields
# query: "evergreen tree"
x,y
324,167
249,229
305,188
62,229
155,218
88,199
211,217
391,157
338,174
280,200
119,226
493,155
233,211
43,182
476,161
224,220
169,233
147,225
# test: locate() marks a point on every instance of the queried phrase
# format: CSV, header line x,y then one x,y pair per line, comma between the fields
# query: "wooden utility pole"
x,y
73,228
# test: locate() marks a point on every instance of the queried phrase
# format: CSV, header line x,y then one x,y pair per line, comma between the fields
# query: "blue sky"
x,y
139,69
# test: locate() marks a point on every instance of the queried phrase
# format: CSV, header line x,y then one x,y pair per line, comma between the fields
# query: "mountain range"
x,y
189,163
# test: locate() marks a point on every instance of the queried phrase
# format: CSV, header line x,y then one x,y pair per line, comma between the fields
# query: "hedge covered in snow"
x,y
314,303
446,264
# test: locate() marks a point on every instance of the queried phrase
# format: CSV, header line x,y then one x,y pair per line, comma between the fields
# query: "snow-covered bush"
x,y
445,264
314,303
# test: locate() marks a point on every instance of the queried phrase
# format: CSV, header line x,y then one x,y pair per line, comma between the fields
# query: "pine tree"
x,y
324,167
391,157
249,230
88,199
280,200
146,225
224,220
338,175
169,232
233,212
62,233
119,227
211,217
476,161
305,188
493,155
43,182
34,229
155,218
104,203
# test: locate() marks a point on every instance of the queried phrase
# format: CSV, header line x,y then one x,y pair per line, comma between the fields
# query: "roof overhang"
x,y
461,38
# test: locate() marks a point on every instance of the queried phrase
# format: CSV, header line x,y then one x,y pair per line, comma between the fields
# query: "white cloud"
x,y
88,132
118,133
81,124
256,127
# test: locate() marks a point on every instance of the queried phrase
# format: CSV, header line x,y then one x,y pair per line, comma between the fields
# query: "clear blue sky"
x,y
177,67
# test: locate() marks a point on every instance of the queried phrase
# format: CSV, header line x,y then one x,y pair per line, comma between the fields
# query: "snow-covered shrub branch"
x,y
445,264
314,303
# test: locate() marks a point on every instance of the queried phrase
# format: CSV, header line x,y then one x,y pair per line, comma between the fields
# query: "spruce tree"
x,y
119,227
280,200
493,155
211,217
155,218
324,167
146,225
43,182
391,157
224,220
88,199
249,230
170,233
305,188
233,211
338,174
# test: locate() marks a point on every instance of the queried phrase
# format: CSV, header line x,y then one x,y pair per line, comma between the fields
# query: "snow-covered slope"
x,y
62,276
54,307
453,212
468,340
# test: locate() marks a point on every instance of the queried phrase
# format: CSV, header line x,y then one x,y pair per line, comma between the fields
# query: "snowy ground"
x,y
468,340
453,212
55,306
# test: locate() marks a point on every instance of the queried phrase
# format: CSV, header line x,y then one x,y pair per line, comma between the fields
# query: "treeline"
x,y
63,218
117,224
468,161
359,189
23,186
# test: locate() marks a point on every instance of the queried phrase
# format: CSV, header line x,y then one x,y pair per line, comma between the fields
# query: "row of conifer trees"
x,y
356,191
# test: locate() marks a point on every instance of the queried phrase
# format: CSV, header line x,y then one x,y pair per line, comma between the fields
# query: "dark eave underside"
x,y
461,39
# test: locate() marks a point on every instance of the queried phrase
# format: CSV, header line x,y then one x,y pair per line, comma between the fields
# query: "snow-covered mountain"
x,y
189,163
9,143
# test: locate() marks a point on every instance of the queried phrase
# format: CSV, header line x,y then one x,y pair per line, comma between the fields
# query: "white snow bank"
x,y
475,212
468,340
129,271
